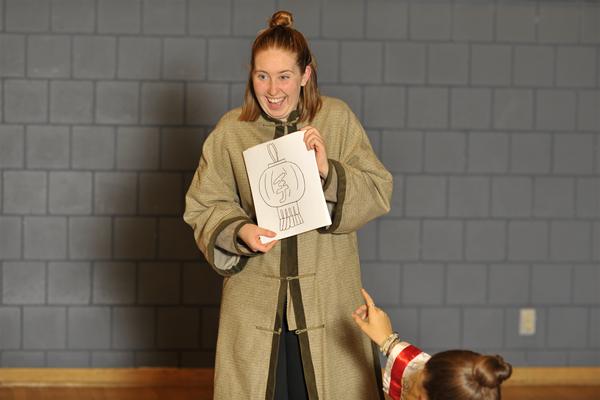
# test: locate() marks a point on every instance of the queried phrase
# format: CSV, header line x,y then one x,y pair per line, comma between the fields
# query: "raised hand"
x,y
314,140
372,320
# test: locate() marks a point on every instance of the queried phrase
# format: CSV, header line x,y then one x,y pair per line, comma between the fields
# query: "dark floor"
x,y
167,393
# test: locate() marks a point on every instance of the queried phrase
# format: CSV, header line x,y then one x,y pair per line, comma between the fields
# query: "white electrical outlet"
x,y
527,322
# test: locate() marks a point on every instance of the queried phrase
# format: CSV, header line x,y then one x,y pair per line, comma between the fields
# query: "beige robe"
x,y
316,274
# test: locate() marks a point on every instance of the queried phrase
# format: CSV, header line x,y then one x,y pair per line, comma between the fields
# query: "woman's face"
x,y
277,81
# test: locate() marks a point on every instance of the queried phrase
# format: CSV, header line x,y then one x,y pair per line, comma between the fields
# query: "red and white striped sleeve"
x,y
403,365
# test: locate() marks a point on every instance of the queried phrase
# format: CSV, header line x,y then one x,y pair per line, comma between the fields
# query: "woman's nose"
x,y
272,87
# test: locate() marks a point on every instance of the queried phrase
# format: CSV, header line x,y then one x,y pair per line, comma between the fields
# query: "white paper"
x,y
286,186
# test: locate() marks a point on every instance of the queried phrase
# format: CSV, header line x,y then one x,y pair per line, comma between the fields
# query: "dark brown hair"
x,y
281,35
465,375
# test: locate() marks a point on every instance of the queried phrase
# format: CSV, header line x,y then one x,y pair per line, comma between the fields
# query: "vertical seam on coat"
x,y
281,300
270,390
296,294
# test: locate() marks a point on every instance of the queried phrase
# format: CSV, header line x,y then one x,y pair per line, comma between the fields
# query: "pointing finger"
x,y
368,300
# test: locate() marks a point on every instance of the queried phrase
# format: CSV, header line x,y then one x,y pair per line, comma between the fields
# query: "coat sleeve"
x,y
404,363
363,187
212,209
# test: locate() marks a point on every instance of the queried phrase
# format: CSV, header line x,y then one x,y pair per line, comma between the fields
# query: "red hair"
x,y
281,35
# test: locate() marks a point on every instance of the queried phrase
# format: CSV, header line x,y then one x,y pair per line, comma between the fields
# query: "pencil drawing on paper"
x,y
282,186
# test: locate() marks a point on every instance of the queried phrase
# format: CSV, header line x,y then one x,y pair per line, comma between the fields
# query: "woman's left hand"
x,y
314,141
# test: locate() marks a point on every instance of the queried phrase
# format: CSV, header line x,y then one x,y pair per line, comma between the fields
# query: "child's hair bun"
x,y
491,371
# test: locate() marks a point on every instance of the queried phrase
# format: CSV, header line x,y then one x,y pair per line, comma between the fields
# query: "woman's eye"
x,y
285,77
262,77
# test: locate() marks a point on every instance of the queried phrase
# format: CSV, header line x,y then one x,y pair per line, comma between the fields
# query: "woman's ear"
x,y
306,75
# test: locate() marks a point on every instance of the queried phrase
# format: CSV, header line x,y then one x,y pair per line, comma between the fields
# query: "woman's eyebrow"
x,y
279,72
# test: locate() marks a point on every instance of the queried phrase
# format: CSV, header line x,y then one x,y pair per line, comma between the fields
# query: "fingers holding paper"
x,y
250,234
314,141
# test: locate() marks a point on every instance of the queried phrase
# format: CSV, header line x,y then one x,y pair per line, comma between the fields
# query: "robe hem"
x,y
236,244
329,177
211,249
341,196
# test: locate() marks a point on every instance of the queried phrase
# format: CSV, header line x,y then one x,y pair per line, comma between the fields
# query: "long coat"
x,y
316,275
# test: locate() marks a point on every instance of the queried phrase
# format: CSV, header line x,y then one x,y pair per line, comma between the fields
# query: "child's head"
x,y
464,375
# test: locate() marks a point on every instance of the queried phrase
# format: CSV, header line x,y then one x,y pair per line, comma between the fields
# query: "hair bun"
x,y
281,18
491,371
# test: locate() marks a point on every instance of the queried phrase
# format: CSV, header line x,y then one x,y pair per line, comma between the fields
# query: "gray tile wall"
x,y
486,112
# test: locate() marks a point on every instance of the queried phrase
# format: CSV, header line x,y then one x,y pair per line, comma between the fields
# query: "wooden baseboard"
x,y
203,377
546,376
136,377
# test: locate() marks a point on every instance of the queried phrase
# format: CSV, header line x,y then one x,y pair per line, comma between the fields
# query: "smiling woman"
x,y
285,330
277,82
297,65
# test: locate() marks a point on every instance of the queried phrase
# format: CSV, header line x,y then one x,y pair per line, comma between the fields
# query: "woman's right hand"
x,y
372,320
250,234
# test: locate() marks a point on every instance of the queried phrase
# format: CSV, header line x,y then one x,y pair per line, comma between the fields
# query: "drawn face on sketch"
x,y
277,81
